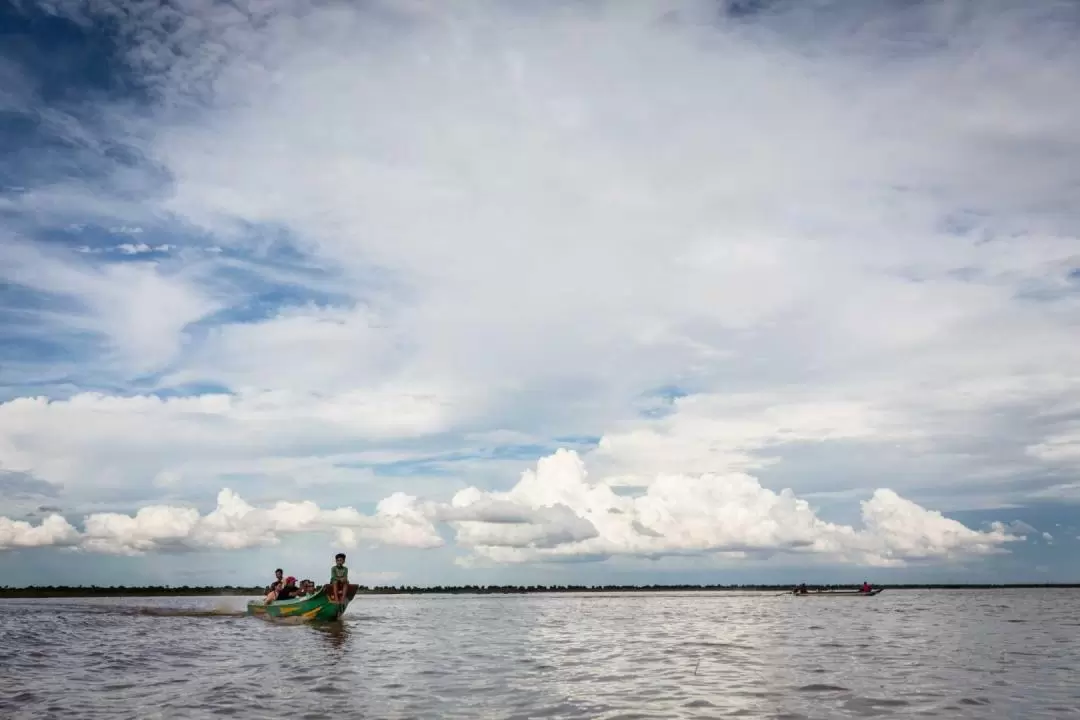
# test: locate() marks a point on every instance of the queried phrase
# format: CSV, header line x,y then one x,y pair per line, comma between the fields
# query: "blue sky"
x,y
581,292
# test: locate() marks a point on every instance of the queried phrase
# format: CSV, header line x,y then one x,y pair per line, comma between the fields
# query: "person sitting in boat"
x,y
306,588
288,590
865,587
276,585
339,578
801,590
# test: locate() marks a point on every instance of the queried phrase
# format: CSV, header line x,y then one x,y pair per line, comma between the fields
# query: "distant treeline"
x,y
152,590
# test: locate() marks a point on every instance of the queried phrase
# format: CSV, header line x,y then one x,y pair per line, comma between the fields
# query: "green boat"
x,y
838,593
319,606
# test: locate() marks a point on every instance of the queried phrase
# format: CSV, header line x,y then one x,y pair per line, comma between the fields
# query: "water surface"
x,y
947,654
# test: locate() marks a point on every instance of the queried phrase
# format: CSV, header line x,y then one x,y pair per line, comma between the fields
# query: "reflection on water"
x,y
930,654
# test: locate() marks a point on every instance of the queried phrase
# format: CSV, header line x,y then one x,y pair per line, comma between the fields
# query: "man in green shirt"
x,y
339,579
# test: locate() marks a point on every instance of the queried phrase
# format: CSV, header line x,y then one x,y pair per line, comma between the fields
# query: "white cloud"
x,y
681,514
94,441
553,514
561,240
327,350
707,433
139,309
141,248
901,531
126,248
538,216
232,525
539,234
52,531
1048,537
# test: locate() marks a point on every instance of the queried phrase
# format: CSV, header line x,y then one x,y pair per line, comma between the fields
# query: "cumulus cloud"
x,y
232,525
555,513
53,531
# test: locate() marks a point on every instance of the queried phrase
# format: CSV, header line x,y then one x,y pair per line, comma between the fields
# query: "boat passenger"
x,y
288,589
339,578
271,592
865,587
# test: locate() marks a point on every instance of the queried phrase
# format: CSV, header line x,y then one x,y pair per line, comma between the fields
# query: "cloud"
x,y
94,441
680,514
552,514
709,432
127,248
20,486
842,233
1014,527
483,521
139,309
232,525
830,251
902,531
53,531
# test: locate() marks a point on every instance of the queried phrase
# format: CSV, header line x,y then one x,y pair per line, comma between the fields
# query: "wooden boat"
x,y
320,606
838,593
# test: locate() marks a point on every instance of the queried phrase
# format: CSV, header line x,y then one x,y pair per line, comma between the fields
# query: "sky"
x,y
539,292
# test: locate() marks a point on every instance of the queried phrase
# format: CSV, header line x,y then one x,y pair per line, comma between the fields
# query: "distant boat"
x,y
838,593
319,606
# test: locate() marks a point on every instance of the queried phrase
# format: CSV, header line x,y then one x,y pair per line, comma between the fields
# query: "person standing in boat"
x,y
865,587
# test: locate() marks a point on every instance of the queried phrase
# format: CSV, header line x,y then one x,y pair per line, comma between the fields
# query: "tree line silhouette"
x,y
42,591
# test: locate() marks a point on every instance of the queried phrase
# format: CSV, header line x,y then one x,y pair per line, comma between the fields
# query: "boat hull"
x,y
320,607
840,593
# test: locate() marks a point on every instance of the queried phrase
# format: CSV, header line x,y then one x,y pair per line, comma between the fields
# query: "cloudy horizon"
x,y
572,292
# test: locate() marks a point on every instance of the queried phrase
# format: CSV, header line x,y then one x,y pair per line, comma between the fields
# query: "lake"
x,y
948,654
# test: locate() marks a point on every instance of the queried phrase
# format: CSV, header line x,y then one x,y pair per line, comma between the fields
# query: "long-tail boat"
x,y
837,593
321,605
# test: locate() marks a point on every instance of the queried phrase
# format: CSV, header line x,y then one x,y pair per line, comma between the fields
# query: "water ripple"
x,y
691,655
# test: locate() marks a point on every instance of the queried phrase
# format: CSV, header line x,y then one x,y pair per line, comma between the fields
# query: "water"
x,y
966,654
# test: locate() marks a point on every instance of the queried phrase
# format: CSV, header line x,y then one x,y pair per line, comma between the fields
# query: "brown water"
x,y
959,654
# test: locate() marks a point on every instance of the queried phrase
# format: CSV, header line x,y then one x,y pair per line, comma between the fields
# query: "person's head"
x,y
278,573
290,580
340,558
